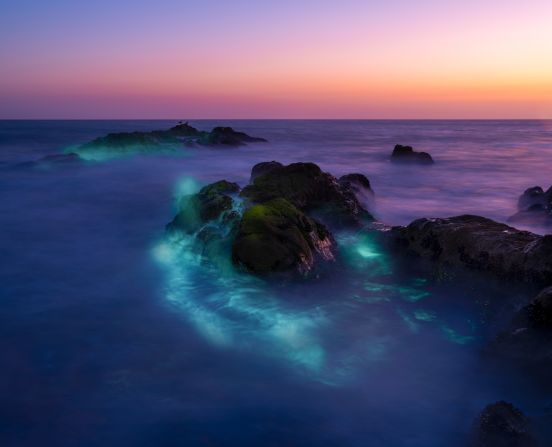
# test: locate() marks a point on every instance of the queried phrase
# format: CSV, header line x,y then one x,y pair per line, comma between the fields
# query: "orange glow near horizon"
x,y
486,59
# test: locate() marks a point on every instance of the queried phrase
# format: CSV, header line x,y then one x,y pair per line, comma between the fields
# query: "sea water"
x,y
114,334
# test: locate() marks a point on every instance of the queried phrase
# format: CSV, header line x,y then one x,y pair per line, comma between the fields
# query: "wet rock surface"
x,y
479,244
406,154
502,425
208,204
272,224
275,236
309,189
534,207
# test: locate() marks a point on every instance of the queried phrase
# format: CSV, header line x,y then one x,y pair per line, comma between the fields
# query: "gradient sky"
x,y
276,59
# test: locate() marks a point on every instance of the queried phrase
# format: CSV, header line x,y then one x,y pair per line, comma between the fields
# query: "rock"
x,y
264,168
534,207
207,205
184,130
226,136
502,425
527,342
480,244
276,237
360,186
310,190
182,133
406,154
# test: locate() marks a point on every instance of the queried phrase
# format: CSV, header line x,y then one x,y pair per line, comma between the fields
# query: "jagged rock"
x,y
534,207
502,425
477,243
310,190
406,154
208,204
276,237
360,186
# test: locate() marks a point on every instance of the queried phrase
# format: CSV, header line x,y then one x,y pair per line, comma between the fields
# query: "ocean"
x,y
112,334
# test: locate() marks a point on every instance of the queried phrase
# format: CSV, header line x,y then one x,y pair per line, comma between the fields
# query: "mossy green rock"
x,y
310,190
208,204
275,236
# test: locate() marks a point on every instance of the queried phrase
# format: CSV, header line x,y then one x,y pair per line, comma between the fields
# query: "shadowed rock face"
x,y
535,207
406,154
182,133
480,244
275,236
502,425
309,189
527,342
208,204
264,168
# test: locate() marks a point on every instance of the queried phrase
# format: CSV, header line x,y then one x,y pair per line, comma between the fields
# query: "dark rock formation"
x,y
226,136
405,154
360,186
502,425
479,244
534,207
182,133
271,231
276,237
527,342
310,190
208,204
264,168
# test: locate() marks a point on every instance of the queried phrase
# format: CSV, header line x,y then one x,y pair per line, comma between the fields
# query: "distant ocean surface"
x,y
109,338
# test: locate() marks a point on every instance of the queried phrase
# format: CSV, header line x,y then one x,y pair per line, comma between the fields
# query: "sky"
x,y
275,59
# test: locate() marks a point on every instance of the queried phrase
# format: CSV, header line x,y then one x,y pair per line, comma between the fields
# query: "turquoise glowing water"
x,y
115,334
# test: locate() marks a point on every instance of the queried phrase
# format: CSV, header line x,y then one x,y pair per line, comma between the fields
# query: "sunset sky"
x,y
276,59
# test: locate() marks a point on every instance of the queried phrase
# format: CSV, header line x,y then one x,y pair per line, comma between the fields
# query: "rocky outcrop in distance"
x,y
407,155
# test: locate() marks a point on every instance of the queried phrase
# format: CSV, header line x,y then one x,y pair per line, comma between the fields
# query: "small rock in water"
x,y
406,154
527,342
502,425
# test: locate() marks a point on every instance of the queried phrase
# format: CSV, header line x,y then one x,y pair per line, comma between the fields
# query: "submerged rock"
x,y
534,207
406,154
276,237
502,425
310,190
51,160
527,342
480,244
